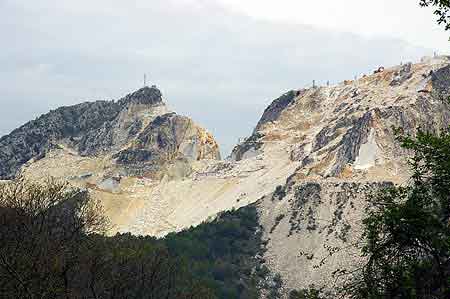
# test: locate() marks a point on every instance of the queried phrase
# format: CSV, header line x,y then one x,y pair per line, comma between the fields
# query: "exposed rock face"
x,y
440,81
313,217
309,165
33,139
403,74
250,147
330,126
136,110
144,96
135,129
166,138
344,138
274,110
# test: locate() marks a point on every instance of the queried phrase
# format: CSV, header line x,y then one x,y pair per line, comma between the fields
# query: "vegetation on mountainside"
x,y
407,232
311,293
52,246
52,242
222,253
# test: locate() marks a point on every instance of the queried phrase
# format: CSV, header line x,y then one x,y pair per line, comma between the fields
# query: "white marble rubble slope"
x,y
308,166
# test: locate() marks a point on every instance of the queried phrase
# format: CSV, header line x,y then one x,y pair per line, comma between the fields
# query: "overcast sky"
x,y
219,61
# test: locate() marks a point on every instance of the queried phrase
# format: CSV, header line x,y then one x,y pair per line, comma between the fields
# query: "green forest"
x,y
52,246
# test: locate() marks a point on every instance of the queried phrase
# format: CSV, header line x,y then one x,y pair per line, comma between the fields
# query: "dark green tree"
x,y
406,239
407,232
311,293
52,246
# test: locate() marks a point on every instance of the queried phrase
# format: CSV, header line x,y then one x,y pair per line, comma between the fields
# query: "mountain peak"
x,y
145,95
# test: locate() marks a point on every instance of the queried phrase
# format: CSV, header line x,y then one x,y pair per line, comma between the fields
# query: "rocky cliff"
x,y
342,138
308,167
137,134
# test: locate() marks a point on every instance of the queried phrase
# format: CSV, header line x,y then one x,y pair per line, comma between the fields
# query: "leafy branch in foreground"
x,y
442,11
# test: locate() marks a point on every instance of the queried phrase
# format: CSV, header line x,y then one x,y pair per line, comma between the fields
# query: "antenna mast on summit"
x,y
145,80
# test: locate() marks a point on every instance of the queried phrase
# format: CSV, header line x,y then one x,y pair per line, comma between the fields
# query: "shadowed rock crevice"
x,y
351,142
441,81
